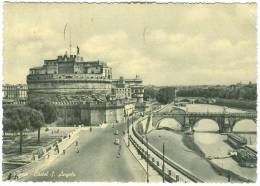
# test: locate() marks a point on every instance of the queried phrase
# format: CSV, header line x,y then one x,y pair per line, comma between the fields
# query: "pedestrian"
x,y
118,154
57,147
77,146
15,176
69,136
9,176
64,151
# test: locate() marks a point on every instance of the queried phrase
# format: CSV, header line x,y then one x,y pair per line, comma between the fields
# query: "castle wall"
x,y
69,114
88,114
97,116
48,89
85,116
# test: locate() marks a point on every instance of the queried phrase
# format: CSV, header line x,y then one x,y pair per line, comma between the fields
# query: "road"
x,y
97,160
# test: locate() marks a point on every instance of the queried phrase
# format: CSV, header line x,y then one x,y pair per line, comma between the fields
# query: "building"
x,y
120,89
14,94
69,75
84,91
128,89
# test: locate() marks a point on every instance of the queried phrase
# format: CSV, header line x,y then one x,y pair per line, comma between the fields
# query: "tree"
x,y
149,93
37,121
6,124
46,107
20,120
166,95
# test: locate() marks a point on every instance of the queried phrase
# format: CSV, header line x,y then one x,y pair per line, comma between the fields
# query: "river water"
x,y
191,151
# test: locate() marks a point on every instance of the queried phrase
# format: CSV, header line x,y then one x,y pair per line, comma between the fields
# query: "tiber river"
x,y
190,151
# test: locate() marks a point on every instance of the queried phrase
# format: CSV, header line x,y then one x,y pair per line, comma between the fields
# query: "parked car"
x,y
116,132
116,142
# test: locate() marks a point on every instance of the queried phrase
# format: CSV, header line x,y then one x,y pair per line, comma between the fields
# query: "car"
x,y
116,132
116,142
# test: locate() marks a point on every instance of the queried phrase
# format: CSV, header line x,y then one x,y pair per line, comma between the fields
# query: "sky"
x,y
166,44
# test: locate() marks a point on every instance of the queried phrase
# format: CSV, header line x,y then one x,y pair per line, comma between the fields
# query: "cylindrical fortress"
x,y
65,75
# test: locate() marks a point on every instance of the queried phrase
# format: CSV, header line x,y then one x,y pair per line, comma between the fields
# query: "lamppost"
x,y
147,159
163,166
128,144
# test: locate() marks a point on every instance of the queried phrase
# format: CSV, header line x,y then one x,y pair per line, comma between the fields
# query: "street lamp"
x,y
147,159
163,166
128,144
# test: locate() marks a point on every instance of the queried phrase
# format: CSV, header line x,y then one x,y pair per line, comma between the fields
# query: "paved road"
x,y
97,161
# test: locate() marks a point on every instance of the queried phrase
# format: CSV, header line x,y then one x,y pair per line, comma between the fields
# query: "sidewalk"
x,y
38,165
154,177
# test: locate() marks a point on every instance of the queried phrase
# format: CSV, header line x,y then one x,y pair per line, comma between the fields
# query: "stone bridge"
x,y
226,121
192,100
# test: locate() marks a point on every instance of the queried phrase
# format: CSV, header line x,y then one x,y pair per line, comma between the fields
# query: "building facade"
x,y
14,94
128,89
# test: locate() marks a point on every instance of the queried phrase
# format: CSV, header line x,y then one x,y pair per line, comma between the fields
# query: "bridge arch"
x,y
185,100
244,125
180,122
175,113
206,125
171,123
175,109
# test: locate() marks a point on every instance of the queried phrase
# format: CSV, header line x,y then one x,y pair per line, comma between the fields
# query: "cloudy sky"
x,y
177,44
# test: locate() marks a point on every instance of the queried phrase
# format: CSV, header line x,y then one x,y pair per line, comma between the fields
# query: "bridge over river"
x,y
191,151
225,120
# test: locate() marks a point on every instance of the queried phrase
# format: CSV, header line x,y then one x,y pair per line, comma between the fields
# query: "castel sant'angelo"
x,y
84,91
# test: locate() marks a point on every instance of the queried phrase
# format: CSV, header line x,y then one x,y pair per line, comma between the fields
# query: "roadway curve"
x,y
96,161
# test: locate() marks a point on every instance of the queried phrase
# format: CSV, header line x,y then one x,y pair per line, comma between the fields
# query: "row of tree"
x,y
238,92
31,116
163,95
241,93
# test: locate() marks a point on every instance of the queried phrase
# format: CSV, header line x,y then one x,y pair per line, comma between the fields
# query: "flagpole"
x,y
64,34
70,42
